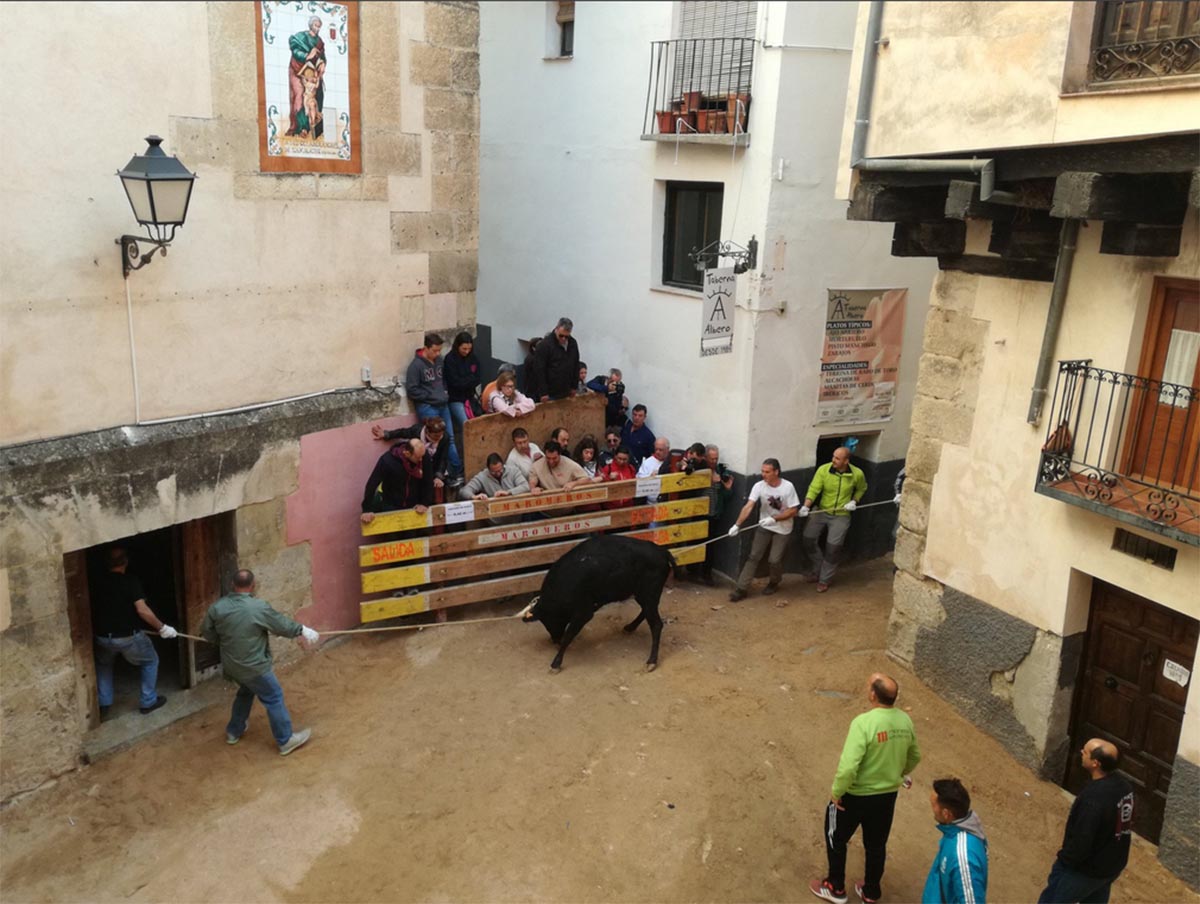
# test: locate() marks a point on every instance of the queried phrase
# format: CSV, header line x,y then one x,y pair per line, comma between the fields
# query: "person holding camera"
x,y
719,492
614,391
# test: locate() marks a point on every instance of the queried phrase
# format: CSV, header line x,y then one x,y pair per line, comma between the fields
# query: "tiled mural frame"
x,y
333,142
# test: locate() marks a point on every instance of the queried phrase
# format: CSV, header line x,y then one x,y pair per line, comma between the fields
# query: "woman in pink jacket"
x,y
508,400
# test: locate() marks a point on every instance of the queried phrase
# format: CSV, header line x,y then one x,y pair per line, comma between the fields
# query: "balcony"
x,y
1127,447
1147,41
698,91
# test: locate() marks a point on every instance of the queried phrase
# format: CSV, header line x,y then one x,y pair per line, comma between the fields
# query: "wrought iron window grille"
x,y
699,86
1124,445
1145,40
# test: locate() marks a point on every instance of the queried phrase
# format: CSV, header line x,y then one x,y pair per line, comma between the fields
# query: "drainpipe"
x,y
986,168
1058,297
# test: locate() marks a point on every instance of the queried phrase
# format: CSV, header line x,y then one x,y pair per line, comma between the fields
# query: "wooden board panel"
x,y
438,515
464,594
384,579
493,432
410,549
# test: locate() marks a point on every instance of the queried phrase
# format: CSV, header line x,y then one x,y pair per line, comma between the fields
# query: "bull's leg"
x,y
573,627
649,603
633,625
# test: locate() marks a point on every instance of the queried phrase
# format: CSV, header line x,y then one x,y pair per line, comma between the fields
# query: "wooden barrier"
x,y
493,432
484,551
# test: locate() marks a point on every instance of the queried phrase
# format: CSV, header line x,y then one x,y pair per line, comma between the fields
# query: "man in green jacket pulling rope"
x,y
239,625
880,750
836,488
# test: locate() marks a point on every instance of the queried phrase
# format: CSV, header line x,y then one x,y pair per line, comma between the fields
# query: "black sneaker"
x,y
160,702
104,712
738,594
770,588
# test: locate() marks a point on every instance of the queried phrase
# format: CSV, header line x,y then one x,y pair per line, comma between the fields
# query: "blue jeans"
x,y
443,411
266,688
136,649
1065,885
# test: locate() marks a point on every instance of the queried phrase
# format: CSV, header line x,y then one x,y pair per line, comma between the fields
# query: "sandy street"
x,y
450,765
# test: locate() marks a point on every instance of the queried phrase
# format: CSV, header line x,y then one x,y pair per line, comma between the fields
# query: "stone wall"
x,y
1008,676
81,491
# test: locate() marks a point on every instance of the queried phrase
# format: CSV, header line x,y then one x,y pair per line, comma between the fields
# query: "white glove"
x,y
897,499
804,511
733,531
851,505
309,635
166,632
766,522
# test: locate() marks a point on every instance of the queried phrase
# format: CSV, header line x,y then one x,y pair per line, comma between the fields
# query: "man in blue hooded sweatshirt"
x,y
959,871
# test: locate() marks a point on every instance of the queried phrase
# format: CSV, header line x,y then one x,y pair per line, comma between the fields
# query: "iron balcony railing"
x,y
1146,40
699,86
1127,446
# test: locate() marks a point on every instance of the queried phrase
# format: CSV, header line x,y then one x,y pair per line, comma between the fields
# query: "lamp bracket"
x,y
132,255
745,258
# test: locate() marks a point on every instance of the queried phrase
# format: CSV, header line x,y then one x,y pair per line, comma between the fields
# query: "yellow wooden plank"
x,y
397,551
688,556
462,512
393,551
383,579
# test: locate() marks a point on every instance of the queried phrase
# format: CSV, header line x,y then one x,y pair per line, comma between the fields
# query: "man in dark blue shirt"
x,y
637,436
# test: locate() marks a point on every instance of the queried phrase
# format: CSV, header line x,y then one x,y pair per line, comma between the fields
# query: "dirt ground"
x,y
450,765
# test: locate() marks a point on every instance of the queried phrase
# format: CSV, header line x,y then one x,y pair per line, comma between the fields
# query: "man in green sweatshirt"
x,y
836,490
880,750
239,625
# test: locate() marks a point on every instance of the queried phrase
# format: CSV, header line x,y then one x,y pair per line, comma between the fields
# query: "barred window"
x,y
1146,40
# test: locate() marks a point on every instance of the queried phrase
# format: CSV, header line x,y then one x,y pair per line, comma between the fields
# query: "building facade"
x,y
667,127
212,407
1046,155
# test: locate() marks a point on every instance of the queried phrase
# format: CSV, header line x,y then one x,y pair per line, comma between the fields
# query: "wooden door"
x,y
1164,443
207,559
1131,694
79,615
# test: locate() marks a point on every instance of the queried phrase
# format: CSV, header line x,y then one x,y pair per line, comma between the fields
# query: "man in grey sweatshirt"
x,y
426,389
497,479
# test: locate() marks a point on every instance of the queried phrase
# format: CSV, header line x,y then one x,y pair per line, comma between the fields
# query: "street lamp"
x,y
159,188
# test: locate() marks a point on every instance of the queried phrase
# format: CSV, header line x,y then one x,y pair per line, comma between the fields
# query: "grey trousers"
x,y
825,565
763,539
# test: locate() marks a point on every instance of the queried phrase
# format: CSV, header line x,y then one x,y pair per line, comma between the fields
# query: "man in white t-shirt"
x,y
524,453
779,506
652,464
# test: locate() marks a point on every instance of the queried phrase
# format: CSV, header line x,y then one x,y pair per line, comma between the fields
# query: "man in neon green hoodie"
x,y
836,488
880,750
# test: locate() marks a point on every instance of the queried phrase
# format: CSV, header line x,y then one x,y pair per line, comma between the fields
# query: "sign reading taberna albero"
x,y
860,360
720,300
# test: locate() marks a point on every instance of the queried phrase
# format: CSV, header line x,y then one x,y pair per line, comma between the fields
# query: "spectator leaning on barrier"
x,y
426,387
619,468
612,442
506,399
586,452
399,481
719,492
495,480
485,397
556,363
554,471
613,390
655,463
523,453
637,436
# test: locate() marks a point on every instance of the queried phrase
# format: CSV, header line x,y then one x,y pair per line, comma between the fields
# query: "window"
x,y
1145,40
692,221
565,17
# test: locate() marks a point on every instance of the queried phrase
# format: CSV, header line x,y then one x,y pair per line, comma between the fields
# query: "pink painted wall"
x,y
334,467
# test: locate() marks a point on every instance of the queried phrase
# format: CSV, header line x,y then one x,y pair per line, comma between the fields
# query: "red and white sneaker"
x,y
858,890
824,889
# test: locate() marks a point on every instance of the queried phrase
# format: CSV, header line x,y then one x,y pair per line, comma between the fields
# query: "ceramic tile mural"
x,y
308,86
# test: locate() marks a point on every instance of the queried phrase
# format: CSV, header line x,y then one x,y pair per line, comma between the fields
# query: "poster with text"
x,y
720,299
308,118
860,361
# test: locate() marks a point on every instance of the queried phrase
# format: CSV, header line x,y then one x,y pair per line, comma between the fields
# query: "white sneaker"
x,y
296,741
824,890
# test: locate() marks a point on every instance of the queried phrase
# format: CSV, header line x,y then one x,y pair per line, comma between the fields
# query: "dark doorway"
x,y
183,569
1130,694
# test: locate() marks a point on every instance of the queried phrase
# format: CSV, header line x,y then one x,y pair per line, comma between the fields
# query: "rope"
x,y
479,621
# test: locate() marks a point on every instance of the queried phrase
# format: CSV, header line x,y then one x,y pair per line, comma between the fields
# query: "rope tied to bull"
x,y
477,621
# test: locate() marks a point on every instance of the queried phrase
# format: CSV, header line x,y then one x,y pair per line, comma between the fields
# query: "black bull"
x,y
602,570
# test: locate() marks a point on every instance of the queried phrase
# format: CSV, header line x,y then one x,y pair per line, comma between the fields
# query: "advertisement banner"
x,y
860,361
720,299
